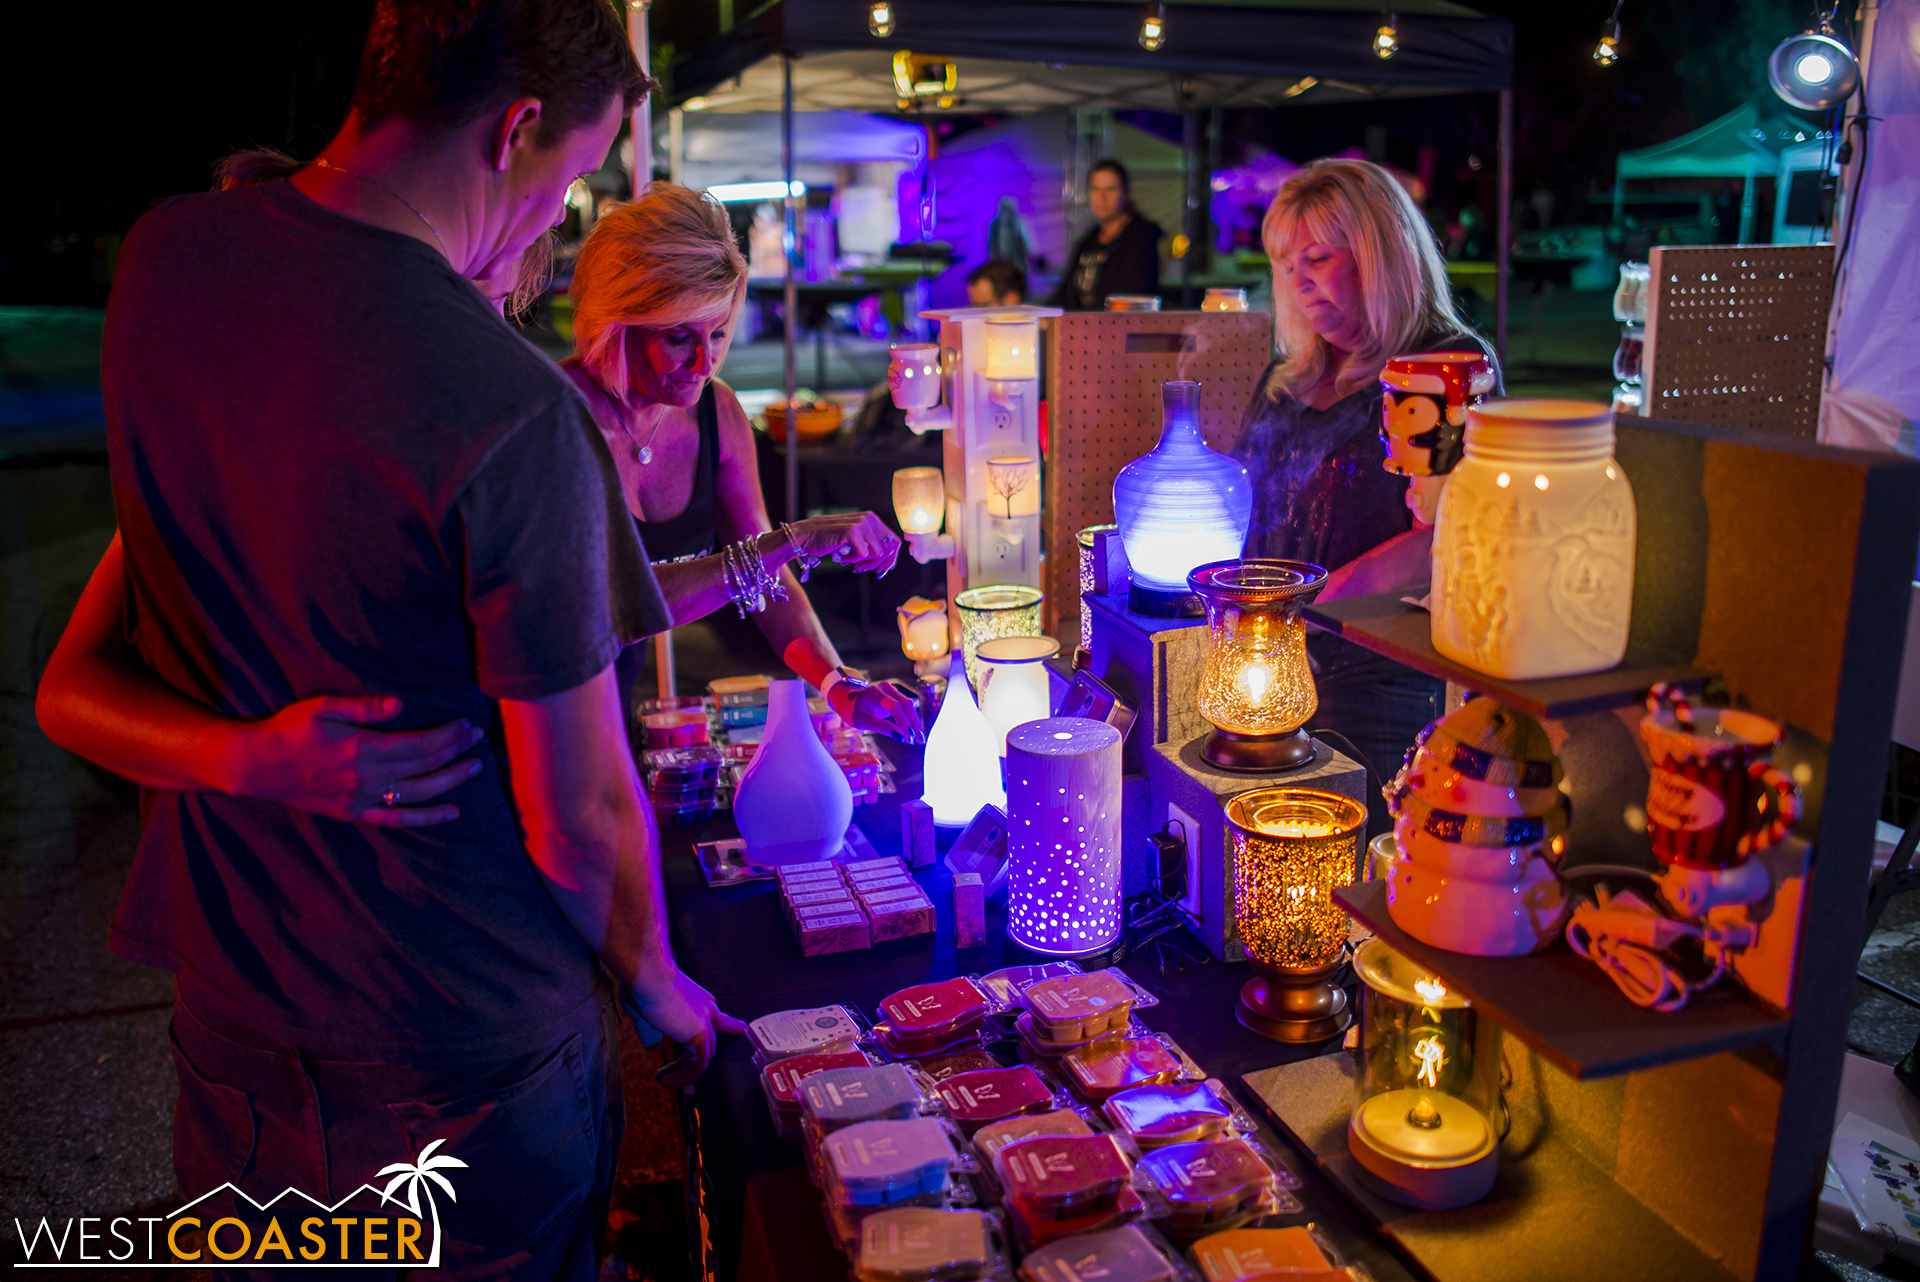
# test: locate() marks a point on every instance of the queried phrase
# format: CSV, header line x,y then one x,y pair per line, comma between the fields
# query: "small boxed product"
x,y
991,1095
1209,1185
1078,1008
836,933
885,1163
786,871
924,1243
739,718
1244,1255
927,1018
676,729
1124,1254
1060,1176
781,1080
916,833
1155,1116
809,883
938,1068
840,1097
739,692
827,895
969,911
992,1138
878,887
1111,1065
812,1030
861,869
899,918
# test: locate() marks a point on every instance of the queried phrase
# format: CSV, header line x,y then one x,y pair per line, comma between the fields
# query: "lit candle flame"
x,y
1433,1057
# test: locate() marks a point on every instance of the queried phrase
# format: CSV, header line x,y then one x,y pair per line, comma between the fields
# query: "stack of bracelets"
x,y
750,585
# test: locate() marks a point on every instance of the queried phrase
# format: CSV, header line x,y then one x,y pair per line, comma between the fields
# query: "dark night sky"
x,y
125,105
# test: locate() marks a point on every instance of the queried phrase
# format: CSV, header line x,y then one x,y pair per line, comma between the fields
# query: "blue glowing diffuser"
x,y
1180,505
1063,836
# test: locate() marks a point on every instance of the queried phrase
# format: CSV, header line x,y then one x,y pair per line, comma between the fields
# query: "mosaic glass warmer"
x,y
997,610
1089,543
1257,688
1291,848
1179,505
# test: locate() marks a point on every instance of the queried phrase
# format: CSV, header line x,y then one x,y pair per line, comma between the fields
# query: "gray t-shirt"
x,y
337,470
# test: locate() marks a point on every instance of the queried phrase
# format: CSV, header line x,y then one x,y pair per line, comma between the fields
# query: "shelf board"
x,y
1565,1007
1387,625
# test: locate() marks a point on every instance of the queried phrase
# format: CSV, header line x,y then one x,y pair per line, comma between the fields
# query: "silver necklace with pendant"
x,y
642,454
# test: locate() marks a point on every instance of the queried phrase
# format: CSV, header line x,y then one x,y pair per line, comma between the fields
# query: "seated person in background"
x,y
1120,254
996,283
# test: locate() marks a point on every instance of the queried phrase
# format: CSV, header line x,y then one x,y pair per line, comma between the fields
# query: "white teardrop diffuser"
x,y
962,764
793,804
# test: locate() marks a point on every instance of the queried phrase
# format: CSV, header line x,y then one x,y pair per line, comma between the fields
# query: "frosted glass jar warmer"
x,y
1179,505
1534,542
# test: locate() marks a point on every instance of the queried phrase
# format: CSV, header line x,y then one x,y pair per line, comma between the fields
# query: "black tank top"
x,y
692,533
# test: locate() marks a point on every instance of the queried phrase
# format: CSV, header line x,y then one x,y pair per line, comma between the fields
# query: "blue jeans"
x,y
1380,718
539,1135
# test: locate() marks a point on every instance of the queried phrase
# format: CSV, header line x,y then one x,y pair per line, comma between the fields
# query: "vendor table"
x,y
759,1217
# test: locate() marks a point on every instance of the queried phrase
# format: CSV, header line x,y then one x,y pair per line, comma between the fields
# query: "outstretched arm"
x,y
97,700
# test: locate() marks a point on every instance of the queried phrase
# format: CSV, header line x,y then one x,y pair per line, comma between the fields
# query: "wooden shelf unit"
x,y
1781,568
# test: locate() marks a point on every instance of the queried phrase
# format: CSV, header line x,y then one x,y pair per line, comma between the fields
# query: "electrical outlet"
x,y
1191,899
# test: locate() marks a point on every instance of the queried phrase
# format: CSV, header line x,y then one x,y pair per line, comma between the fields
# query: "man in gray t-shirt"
x,y
338,471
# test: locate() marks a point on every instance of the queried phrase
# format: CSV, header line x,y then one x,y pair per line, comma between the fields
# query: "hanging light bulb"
x,y
1386,41
1607,52
880,18
1153,27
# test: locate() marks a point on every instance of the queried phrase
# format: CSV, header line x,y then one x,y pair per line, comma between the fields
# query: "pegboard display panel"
x,y
1737,335
1104,371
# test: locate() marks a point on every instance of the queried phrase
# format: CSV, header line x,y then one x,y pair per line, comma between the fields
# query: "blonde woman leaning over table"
x,y
1357,278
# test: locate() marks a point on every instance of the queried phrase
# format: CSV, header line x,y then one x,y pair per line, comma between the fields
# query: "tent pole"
x,y
1746,210
1189,202
642,122
1502,229
791,240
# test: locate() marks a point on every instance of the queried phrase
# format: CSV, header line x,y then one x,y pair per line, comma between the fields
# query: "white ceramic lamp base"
x,y
1451,1163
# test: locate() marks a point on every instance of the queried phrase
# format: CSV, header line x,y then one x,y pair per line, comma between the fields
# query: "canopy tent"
x,y
726,147
1745,143
1028,55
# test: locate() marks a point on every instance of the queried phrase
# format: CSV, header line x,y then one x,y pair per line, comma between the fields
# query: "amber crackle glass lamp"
x,y
1291,848
1257,688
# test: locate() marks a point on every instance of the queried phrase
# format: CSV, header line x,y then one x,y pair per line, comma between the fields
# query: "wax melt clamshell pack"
x,y
1063,1176
1112,1064
938,1068
875,1166
927,1019
1128,1253
930,1244
1006,984
1157,1115
1292,1254
841,1097
1210,1185
1048,1055
979,1098
780,1082
1071,1009
811,1030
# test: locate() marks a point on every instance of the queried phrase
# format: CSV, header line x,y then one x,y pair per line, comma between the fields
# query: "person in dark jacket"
x,y
1120,254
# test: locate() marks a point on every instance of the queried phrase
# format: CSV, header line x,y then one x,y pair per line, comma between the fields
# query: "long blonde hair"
x,y
1403,291
663,258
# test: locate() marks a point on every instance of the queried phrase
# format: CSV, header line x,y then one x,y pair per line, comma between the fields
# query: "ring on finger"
x,y
390,797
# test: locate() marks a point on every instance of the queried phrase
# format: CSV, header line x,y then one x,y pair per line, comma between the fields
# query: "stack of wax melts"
x,y
1054,1186
938,1068
674,728
863,775
1008,984
871,1166
1209,1185
891,898
1106,1067
994,1094
841,1097
781,1081
925,1244
1124,1254
683,784
822,909
1155,1116
1254,1255
815,1030
989,1140
1066,1012
929,1018
742,701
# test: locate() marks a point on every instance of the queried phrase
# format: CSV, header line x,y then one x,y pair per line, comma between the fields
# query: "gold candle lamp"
x,y
1257,688
1291,848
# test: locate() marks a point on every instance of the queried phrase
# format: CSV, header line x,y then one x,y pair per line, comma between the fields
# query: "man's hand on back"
x,y
687,1013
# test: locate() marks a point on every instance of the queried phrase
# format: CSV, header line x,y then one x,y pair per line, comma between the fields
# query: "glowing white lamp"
x,y
962,764
1013,348
1180,505
919,499
913,375
1063,845
924,635
1013,682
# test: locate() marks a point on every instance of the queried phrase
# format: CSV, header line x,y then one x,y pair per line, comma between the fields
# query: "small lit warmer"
x,y
1257,689
1063,836
1426,1089
1291,848
996,610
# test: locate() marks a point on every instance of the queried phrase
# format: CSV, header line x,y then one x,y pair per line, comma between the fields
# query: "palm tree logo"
x,y
415,1176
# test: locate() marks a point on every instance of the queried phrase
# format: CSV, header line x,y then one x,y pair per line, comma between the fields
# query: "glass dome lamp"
x,y
1291,848
1257,688
1179,505
1813,71
919,499
1426,1089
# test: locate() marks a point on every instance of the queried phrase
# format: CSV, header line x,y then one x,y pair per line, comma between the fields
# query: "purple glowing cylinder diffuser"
x,y
1063,819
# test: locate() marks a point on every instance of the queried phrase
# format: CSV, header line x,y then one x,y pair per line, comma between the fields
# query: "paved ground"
x,y
85,1078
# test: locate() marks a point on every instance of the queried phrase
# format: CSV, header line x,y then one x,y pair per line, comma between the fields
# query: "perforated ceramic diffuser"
x,y
1063,836
1427,1088
1257,688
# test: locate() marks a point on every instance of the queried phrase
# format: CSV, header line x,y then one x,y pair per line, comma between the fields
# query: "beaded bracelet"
x,y
750,585
807,559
